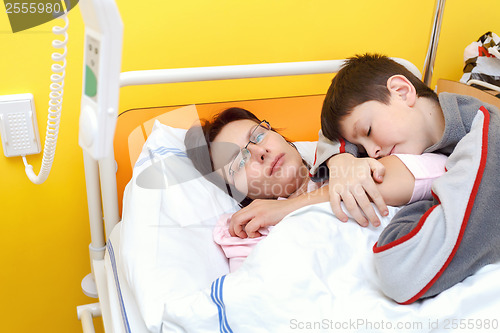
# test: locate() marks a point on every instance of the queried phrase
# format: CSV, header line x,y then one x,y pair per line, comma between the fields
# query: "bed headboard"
x,y
464,89
134,126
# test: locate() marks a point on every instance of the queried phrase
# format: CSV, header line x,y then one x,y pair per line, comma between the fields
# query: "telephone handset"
x,y
101,76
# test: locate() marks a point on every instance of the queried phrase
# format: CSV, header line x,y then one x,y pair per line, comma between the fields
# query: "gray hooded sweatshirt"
x,y
429,246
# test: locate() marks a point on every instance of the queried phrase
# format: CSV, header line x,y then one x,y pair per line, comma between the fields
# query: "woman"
x,y
253,159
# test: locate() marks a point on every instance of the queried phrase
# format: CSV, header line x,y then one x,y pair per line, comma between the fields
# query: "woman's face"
x,y
274,168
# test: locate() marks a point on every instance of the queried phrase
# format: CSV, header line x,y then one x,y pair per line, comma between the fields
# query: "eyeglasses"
x,y
256,137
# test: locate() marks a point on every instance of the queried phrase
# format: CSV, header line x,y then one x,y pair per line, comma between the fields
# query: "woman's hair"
x,y
363,78
198,141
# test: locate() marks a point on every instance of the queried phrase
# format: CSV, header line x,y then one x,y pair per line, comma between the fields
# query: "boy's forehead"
x,y
350,124
348,128
368,110
362,116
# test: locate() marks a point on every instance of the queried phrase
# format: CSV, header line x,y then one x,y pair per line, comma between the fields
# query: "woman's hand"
x,y
259,214
352,181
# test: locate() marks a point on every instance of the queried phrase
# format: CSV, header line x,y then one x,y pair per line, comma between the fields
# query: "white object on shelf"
x,y
18,125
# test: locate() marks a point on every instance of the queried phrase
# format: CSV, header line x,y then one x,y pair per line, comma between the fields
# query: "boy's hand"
x,y
352,181
260,213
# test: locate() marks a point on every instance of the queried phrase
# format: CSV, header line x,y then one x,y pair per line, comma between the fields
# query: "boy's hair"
x,y
361,79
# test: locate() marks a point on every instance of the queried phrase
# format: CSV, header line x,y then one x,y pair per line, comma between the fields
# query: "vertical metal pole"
x,y
433,42
107,171
98,242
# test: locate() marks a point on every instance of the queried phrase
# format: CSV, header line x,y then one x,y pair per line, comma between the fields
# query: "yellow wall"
x,y
44,234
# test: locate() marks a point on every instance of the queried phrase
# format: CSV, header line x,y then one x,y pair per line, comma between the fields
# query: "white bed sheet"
x,y
124,314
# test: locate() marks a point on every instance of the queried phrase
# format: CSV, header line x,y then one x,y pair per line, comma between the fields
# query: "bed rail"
x,y
195,74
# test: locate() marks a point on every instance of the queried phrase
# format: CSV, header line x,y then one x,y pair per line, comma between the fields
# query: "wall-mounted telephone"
x,y
101,75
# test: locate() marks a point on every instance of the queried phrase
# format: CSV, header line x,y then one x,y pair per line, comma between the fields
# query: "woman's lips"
x,y
278,161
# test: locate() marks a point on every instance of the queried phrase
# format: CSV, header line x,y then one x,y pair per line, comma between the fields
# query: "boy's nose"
x,y
374,151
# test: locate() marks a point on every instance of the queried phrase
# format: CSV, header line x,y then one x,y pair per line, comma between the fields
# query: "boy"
x,y
377,105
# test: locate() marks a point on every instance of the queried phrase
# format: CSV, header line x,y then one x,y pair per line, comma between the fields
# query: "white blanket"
x,y
315,273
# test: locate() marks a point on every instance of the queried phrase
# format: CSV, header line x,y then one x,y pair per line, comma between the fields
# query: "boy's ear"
x,y
400,87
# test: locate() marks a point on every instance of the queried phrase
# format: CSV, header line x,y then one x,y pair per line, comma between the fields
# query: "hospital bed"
x,y
159,270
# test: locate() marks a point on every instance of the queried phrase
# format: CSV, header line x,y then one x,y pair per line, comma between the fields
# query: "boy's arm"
x,y
398,185
396,189
350,181
425,169
408,178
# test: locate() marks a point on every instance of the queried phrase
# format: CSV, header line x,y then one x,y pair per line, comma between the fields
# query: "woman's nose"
x,y
258,152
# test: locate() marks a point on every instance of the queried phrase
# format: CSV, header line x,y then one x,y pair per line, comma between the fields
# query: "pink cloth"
x,y
236,249
425,168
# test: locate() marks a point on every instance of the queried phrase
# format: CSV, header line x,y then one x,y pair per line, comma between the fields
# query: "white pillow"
x,y
307,149
169,211
164,164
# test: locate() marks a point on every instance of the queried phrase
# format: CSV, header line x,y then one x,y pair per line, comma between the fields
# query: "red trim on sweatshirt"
x,y
378,249
342,145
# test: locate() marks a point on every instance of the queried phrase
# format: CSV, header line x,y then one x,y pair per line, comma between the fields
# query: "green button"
x,y
90,82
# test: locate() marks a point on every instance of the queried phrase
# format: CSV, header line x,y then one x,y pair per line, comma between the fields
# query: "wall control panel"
x,y
18,125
